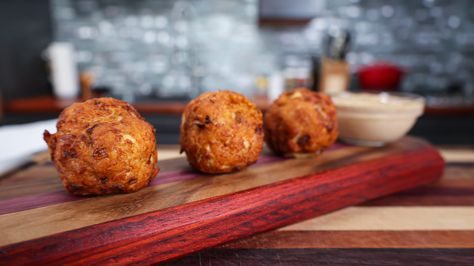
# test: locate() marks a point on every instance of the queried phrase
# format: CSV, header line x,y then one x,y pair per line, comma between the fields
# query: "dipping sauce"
x,y
386,102
374,119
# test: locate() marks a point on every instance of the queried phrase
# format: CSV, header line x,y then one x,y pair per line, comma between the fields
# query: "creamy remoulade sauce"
x,y
374,119
381,101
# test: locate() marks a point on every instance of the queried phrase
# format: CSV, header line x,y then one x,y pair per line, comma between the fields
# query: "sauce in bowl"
x,y
380,102
371,119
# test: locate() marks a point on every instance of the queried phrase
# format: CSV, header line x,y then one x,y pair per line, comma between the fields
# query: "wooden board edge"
x,y
173,232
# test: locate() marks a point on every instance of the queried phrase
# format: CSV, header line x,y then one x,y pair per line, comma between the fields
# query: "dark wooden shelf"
x,y
450,110
49,104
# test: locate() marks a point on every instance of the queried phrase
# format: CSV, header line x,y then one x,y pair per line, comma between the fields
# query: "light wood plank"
x,y
391,218
457,154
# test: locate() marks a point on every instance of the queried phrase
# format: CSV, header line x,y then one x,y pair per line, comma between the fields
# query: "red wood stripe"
x,y
455,188
429,196
61,196
35,201
358,239
169,233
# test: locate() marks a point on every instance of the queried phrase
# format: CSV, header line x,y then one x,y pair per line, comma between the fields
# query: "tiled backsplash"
x,y
173,48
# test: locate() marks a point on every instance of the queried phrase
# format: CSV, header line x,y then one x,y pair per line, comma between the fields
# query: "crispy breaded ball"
x,y
221,132
103,146
300,122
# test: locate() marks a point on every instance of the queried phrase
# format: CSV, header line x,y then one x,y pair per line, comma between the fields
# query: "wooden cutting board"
x,y
183,211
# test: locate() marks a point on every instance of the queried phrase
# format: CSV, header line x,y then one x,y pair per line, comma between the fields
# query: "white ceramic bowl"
x,y
374,119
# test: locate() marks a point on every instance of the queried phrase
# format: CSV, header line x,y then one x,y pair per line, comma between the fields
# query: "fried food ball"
x,y
103,146
300,122
221,132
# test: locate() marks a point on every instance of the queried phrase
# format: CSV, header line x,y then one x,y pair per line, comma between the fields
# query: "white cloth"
x,y
19,142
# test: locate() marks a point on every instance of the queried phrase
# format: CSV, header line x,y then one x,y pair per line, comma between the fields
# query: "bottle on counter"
x,y
64,73
332,75
275,85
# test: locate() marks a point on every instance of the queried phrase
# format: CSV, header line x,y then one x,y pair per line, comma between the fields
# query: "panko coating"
x,y
300,121
103,146
221,132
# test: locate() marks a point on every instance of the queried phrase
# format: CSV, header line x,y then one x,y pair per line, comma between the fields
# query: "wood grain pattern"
x,y
392,218
333,257
208,221
26,202
458,154
445,193
369,238
454,190
38,222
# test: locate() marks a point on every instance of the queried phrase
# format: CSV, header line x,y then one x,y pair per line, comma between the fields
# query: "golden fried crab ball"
x,y
300,122
103,146
221,132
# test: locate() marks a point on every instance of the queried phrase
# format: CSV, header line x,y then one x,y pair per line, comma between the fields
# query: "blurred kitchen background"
x,y
159,54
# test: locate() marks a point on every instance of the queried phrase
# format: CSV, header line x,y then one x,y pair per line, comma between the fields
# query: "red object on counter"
x,y
381,76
